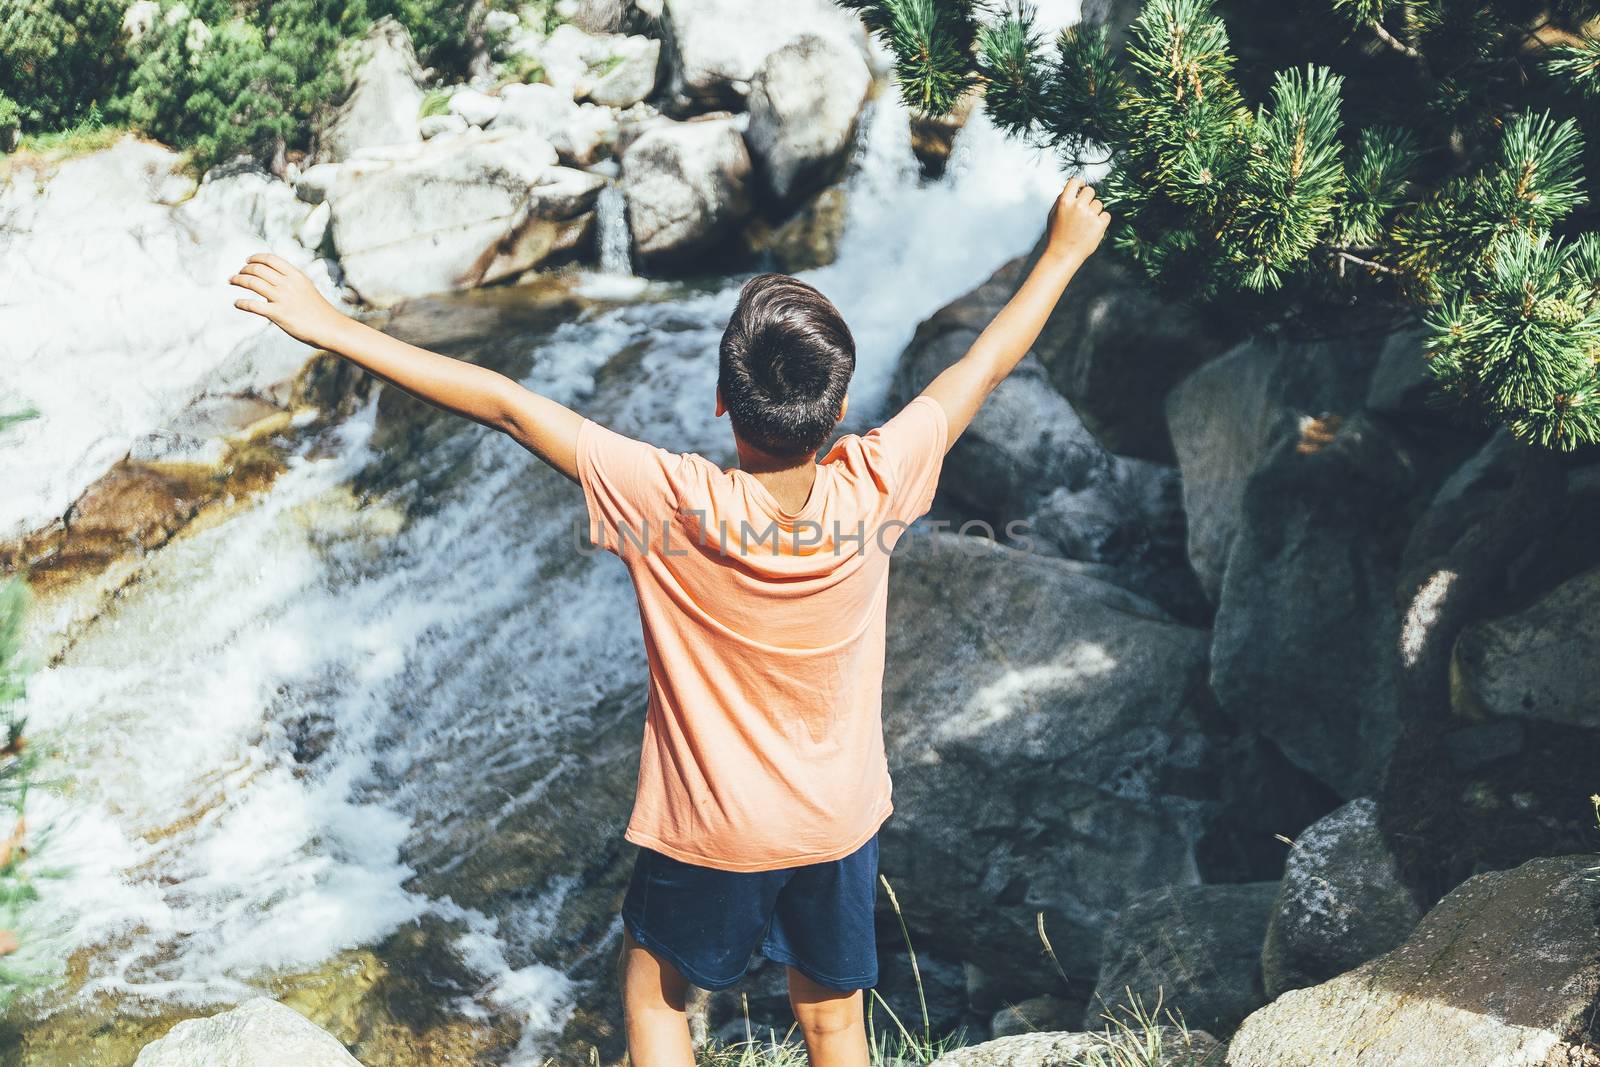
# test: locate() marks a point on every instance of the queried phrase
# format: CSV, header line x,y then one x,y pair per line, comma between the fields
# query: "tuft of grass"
x,y
434,102
90,134
1137,1036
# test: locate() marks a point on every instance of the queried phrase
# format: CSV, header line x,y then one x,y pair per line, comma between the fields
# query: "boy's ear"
x,y
721,408
844,406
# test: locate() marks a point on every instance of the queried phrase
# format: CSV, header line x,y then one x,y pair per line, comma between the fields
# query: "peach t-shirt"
x,y
764,630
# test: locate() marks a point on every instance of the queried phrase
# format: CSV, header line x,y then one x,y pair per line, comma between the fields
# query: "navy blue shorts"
x,y
707,923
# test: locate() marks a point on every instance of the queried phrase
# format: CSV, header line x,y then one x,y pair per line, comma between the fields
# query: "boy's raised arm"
x,y
1077,222
547,429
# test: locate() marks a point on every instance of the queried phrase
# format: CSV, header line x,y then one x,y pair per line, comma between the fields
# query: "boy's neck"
x,y
788,479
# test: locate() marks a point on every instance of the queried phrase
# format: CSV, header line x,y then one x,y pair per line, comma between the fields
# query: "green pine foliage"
x,y
221,78
59,58
20,967
224,80
1439,162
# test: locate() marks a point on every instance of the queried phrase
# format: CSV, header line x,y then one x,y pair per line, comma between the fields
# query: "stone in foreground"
x,y
1062,1049
258,1033
1504,971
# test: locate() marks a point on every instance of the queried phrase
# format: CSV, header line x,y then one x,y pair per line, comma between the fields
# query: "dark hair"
x,y
786,361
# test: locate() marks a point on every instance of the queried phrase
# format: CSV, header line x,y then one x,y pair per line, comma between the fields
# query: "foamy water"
x,y
298,713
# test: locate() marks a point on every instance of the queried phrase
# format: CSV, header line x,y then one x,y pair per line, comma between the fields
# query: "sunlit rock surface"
x,y
1505,970
118,315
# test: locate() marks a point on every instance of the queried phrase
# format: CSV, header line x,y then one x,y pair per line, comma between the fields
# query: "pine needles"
x,y
1465,207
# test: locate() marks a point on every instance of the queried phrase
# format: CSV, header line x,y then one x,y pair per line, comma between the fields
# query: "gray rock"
x,y
1025,441
1044,732
477,109
1465,793
715,47
1340,904
384,95
1303,641
627,75
580,133
1221,419
258,1033
1195,950
1035,1014
441,125
463,211
1536,663
1025,455
1401,382
1225,417
804,104
1114,348
1505,971
685,184
1065,1049
315,183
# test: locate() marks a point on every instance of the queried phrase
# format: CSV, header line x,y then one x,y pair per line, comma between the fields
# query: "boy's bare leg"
x,y
836,1034
653,994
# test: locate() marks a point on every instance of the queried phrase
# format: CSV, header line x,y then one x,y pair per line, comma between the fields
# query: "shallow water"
x,y
291,735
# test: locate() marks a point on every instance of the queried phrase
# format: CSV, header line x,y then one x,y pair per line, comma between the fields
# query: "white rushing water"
x,y
430,661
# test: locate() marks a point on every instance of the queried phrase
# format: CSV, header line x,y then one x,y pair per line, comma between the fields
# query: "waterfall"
x,y
611,219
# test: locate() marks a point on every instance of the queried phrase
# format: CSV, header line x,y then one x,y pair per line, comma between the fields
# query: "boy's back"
x,y
764,629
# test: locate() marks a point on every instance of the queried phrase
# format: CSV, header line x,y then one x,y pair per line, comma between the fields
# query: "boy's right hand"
x,y
1078,221
291,301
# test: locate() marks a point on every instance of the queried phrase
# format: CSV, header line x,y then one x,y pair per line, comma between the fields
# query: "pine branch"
x,y
1578,66
1008,62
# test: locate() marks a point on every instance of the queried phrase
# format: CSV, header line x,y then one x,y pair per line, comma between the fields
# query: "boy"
x,y
761,589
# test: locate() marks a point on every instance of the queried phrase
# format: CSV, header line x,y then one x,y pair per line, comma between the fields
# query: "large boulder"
x,y
685,184
383,99
462,211
1114,348
1340,904
1505,971
1161,1046
581,134
1533,665
804,104
716,47
1194,950
258,1033
1045,733
1226,416
1303,640
129,224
